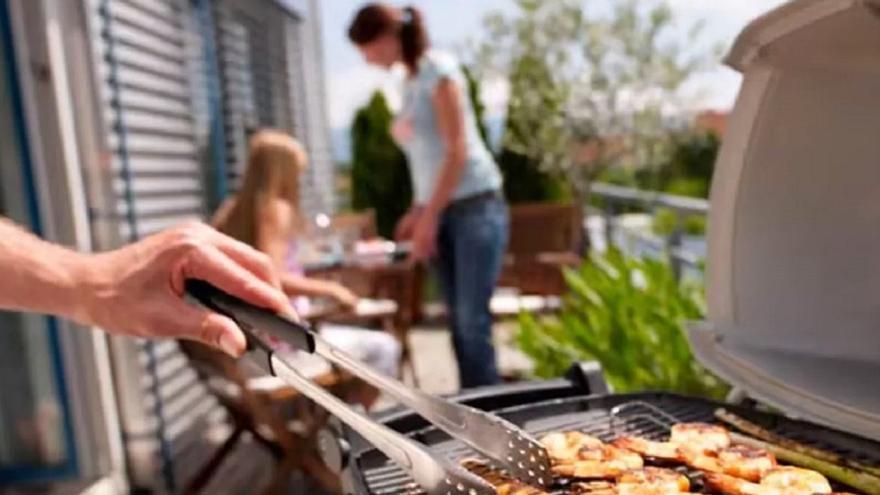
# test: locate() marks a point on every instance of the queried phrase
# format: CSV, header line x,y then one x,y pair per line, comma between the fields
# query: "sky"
x,y
453,22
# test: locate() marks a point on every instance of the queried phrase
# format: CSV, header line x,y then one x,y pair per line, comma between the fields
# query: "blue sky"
x,y
453,22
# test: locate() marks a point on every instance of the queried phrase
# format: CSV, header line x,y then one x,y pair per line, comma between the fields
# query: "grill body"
x,y
560,406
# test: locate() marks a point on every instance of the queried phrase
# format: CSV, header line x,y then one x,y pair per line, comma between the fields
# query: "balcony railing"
x,y
616,200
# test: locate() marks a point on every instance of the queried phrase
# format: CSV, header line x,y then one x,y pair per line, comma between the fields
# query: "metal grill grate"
x,y
647,415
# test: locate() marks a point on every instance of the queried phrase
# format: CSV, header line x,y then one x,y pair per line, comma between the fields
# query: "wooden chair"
x,y
544,238
257,405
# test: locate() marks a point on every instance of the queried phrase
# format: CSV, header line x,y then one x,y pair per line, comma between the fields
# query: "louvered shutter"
x,y
151,65
271,77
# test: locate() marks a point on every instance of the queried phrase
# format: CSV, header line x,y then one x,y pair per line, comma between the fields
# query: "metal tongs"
x,y
272,339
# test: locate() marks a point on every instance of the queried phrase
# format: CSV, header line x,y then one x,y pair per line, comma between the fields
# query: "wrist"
x,y
85,287
433,209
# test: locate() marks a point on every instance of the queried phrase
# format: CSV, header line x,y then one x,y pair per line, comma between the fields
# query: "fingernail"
x,y
229,344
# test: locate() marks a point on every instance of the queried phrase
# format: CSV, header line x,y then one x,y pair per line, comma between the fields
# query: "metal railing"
x,y
618,199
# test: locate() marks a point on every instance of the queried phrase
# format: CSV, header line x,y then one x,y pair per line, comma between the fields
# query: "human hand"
x,y
138,290
344,297
406,225
424,237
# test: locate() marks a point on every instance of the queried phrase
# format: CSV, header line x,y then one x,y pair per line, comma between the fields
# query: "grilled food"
x,y
749,463
652,481
703,437
564,446
705,447
593,488
777,481
695,439
503,484
649,448
645,481
598,462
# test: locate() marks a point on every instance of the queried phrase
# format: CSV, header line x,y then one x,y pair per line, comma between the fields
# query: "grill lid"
x,y
794,242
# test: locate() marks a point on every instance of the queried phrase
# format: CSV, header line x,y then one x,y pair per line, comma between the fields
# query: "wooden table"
x,y
398,281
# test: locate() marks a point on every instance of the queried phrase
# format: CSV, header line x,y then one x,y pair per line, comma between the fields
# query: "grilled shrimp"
x,y
601,461
652,481
795,480
700,436
564,446
777,481
503,484
746,462
646,481
594,488
649,448
730,485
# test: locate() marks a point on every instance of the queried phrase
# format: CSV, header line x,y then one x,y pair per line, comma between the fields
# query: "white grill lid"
x,y
794,241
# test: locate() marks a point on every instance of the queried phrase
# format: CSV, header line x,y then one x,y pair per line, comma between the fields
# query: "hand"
x,y
402,130
424,238
138,289
344,297
406,225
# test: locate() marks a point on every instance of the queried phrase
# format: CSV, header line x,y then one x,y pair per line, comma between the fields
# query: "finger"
x,y
209,328
245,255
210,264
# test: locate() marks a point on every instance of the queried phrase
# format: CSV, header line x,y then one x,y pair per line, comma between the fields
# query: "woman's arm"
x,y
450,123
298,285
274,234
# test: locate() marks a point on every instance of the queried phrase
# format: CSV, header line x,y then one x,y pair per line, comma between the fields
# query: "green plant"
x,y
379,175
473,89
628,314
687,170
666,221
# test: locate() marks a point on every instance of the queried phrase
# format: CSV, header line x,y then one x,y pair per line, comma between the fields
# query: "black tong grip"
x,y
263,328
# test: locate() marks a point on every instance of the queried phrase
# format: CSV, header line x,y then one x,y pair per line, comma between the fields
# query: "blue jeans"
x,y
471,240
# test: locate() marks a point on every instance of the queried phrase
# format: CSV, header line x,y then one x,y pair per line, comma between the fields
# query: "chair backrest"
x,y
363,222
543,228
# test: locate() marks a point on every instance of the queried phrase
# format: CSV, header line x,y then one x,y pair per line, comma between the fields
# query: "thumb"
x,y
214,330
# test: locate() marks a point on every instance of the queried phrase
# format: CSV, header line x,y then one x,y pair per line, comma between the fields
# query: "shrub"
x,y
628,314
379,174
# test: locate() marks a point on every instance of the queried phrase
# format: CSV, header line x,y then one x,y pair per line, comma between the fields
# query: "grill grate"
x,y
647,415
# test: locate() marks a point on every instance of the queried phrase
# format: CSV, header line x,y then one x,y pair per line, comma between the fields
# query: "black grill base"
x,y
370,471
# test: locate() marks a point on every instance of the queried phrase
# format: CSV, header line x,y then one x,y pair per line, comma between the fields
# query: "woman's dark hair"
x,y
377,19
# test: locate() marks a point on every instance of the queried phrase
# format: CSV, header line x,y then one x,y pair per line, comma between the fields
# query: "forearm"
x,y
298,285
447,182
39,276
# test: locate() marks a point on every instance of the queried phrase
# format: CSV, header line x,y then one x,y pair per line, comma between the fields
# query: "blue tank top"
x,y
424,147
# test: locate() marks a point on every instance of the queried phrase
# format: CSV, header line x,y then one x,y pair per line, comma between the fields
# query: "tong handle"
x,y
260,326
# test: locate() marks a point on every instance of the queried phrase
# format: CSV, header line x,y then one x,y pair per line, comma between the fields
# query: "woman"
x,y
265,214
459,216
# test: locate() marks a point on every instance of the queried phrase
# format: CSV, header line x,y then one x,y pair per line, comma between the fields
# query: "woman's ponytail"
x,y
413,38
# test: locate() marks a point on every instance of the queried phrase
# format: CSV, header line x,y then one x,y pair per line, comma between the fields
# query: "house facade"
x,y
121,118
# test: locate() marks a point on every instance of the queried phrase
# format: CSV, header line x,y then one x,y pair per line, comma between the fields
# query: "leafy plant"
x,y
666,221
379,175
687,170
629,314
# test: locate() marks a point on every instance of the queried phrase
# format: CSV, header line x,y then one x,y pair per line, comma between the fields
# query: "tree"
x,y
380,176
601,87
524,179
473,89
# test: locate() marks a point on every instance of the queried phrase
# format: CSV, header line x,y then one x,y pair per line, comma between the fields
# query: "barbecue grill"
x,y
793,269
562,405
